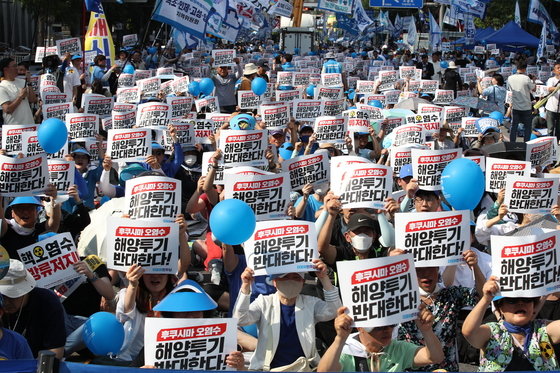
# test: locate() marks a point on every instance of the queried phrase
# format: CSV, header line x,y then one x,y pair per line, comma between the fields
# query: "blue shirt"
x,y
332,67
496,94
14,346
98,74
289,348
311,208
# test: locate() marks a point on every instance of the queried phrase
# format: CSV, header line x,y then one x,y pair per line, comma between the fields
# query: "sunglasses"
x,y
517,300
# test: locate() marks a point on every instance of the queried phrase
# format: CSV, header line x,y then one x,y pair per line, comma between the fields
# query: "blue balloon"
x,y
310,90
152,50
103,334
206,86
444,64
455,176
194,88
258,86
128,69
52,135
354,54
232,221
497,115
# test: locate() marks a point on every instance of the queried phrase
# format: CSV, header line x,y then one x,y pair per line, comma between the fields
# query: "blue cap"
x,y
130,172
188,296
44,236
157,146
497,298
406,171
80,150
76,57
243,122
26,201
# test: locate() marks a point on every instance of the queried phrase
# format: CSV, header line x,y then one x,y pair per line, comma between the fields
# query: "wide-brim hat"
x,y
188,296
17,282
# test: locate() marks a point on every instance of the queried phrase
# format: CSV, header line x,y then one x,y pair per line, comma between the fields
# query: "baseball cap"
x,y
80,150
263,64
26,201
406,171
329,55
76,57
282,275
360,220
276,132
17,282
188,296
157,146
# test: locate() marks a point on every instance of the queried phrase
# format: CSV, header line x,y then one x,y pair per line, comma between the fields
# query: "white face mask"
x,y
362,242
190,160
289,288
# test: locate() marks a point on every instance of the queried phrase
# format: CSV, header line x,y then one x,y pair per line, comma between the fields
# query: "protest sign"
x,y
23,176
427,166
531,195
185,132
284,78
57,110
366,86
399,157
365,186
469,127
275,116
39,54
430,121
391,123
358,120
379,291
328,93
479,160
129,40
443,96
122,119
498,170
209,104
540,151
268,195
429,86
387,80
30,144
129,145
189,344
153,197
248,100
180,106
50,261
331,79
11,136
281,246
97,104
130,95
149,87
429,108
391,96
71,46
242,147
203,128
407,72
374,113
50,98
333,108
181,85
286,96
300,79
453,114
527,266
61,174
434,238
330,129
151,244
339,165
223,57
308,169
409,134
153,115
82,126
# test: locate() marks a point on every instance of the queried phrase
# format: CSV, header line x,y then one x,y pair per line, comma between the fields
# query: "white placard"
x,y
129,145
427,166
365,186
23,176
82,126
330,129
153,197
308,169
531,195
243,147
498,170
223,57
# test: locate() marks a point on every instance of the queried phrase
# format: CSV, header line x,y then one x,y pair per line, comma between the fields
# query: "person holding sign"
x,y
159,162
225,86
517,341
15,95
286,337
373,350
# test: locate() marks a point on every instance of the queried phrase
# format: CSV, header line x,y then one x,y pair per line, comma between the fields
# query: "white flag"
x,y
412,35
435,34
542,42
517,14
361,16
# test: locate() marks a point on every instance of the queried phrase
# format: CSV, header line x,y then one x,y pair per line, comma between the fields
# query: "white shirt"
x,y
521,86
552,103
464,276
71,80
9,91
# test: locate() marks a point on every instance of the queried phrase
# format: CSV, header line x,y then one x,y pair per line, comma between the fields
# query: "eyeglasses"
x,y
422,199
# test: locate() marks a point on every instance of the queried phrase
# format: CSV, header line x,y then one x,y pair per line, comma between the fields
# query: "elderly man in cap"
x,y
35,313
225,82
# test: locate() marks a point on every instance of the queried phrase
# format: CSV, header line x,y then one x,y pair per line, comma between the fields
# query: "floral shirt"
x,y
446,307
499,350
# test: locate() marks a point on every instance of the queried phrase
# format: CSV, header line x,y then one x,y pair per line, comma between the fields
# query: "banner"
x,y
427,166
379,291
498,170
189,16
527,266
365,186
337,6
129,145
434,238
51,260
282,246
243,147
531,195
189,344
223,57
152,244
268,195
98,36
308,169
153,197
23,176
